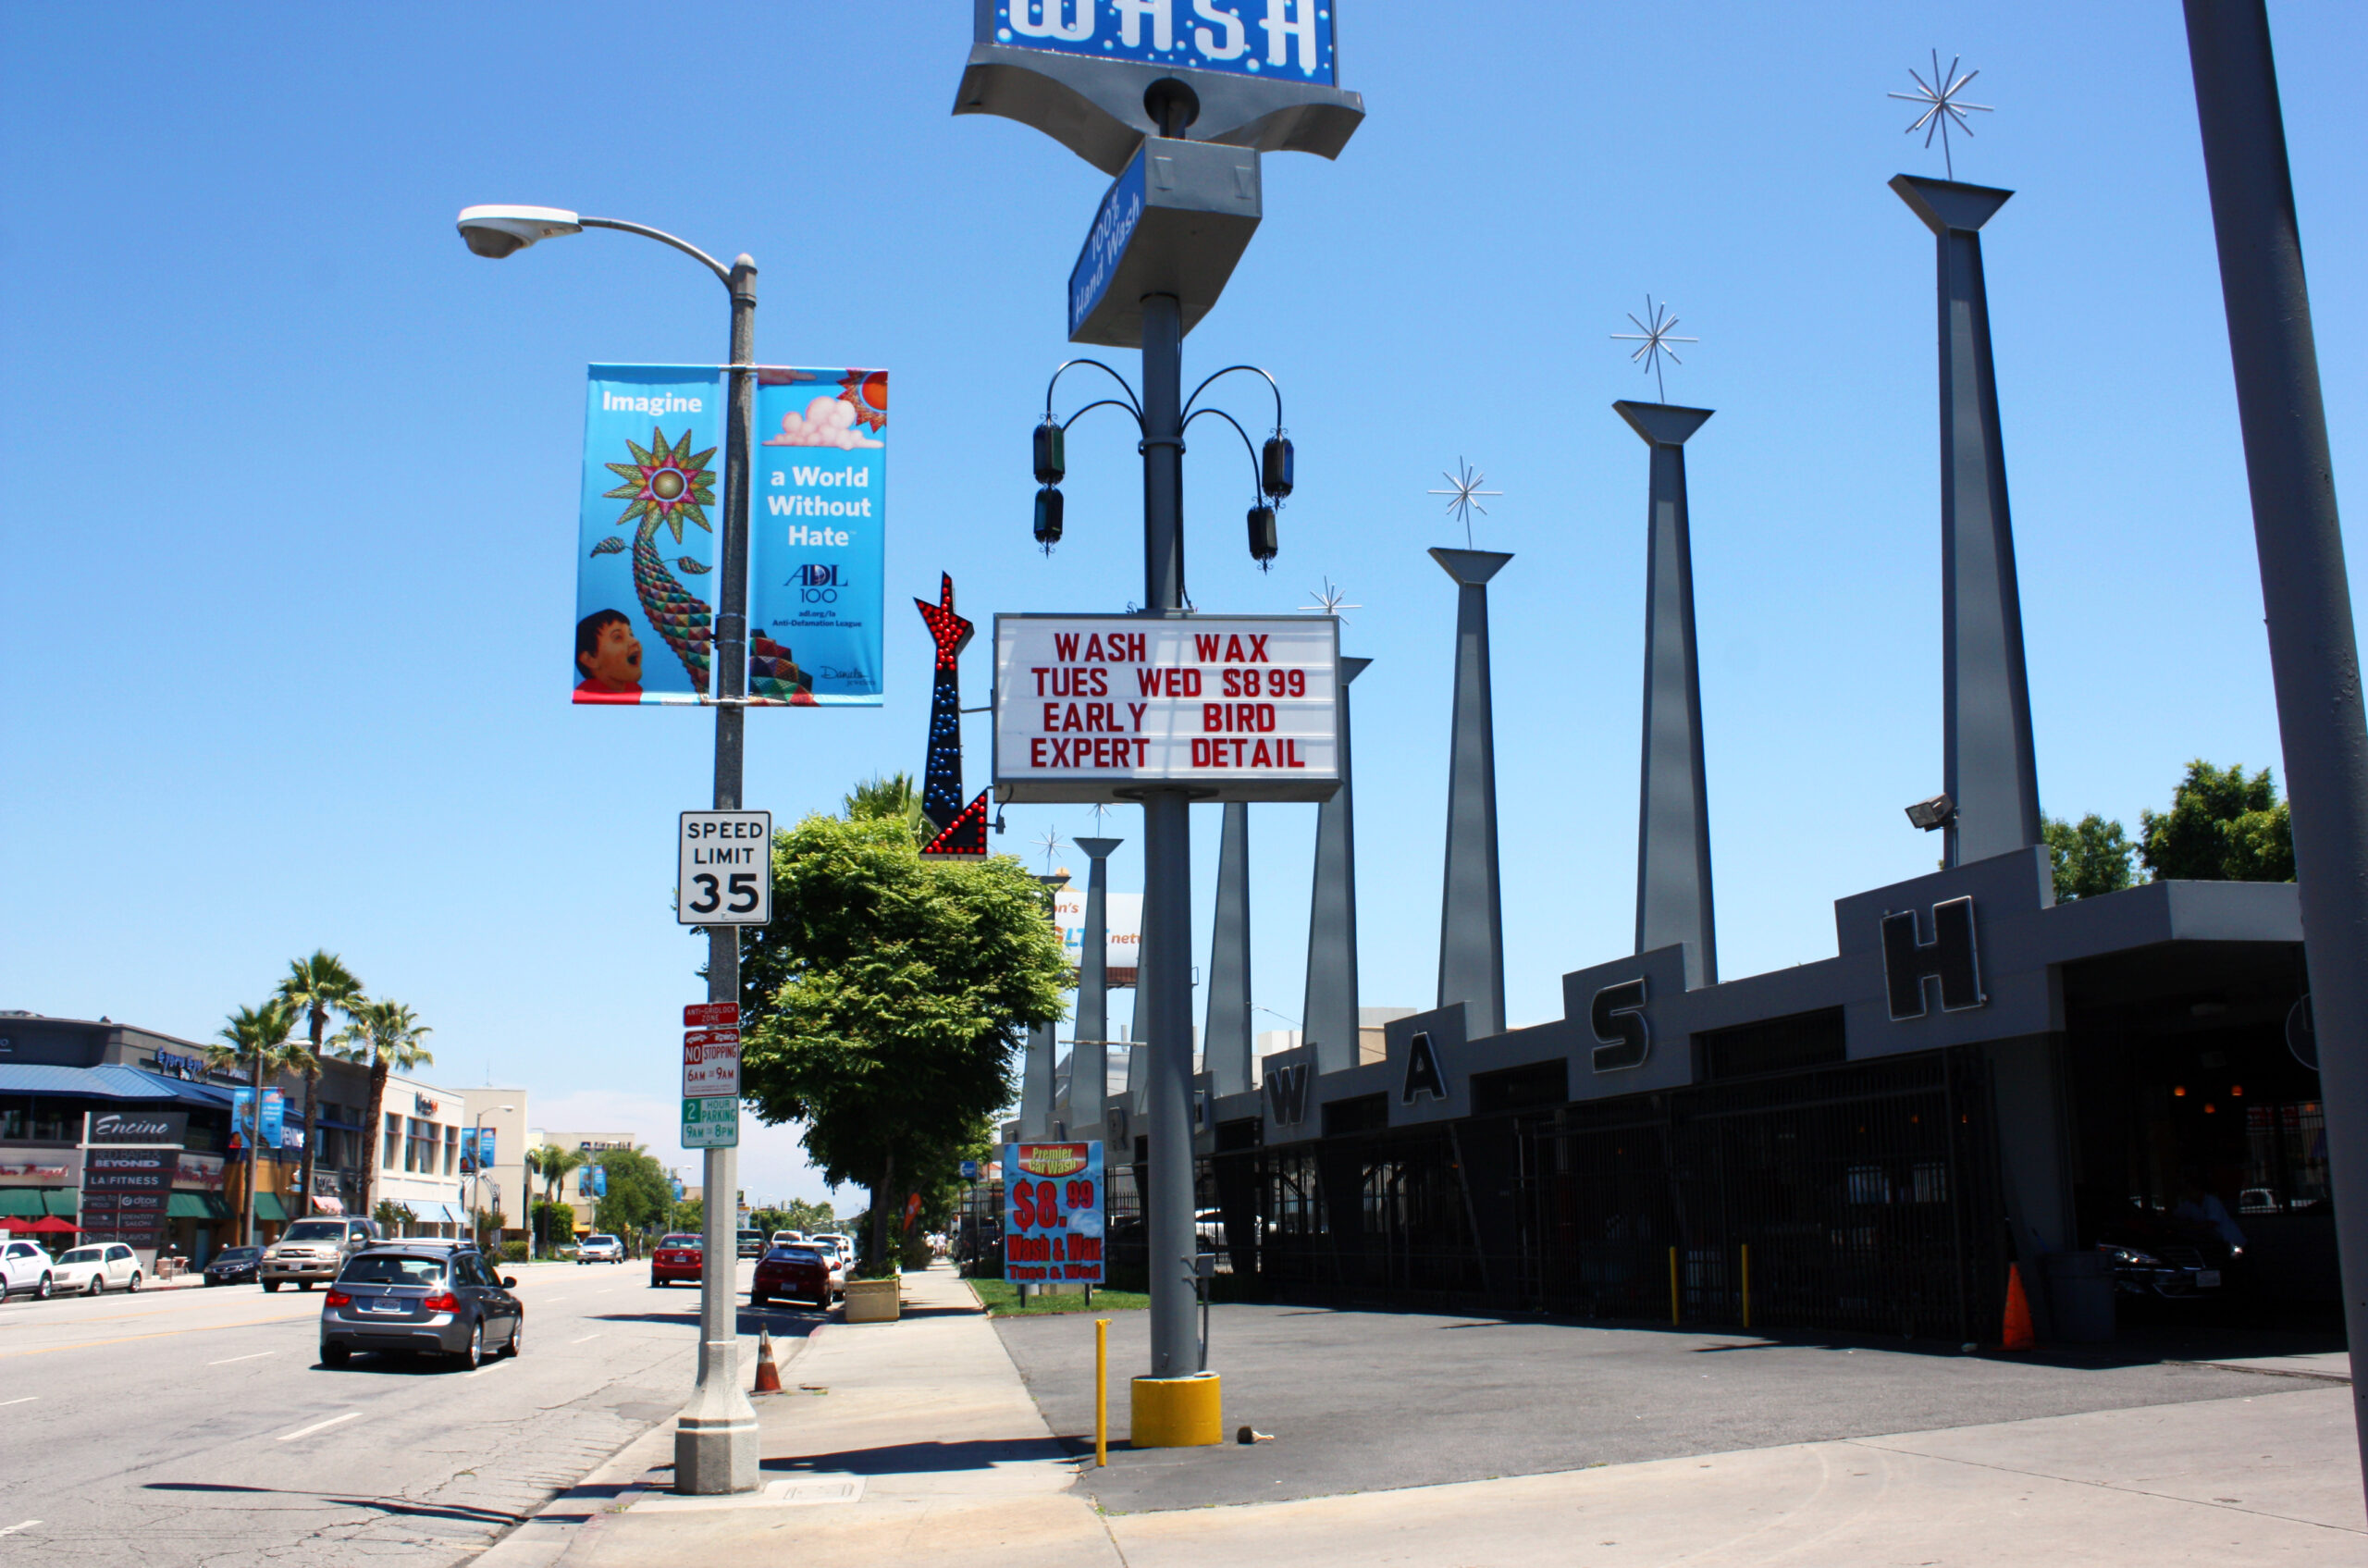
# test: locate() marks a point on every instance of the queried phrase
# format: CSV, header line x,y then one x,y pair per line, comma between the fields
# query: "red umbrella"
x,y
49,1225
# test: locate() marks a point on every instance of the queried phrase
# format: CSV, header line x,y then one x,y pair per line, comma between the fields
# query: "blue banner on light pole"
x,y
275,1111
1286,39
645,535
817,556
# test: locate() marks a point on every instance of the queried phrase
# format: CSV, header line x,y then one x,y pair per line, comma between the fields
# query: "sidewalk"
x,y
918,1443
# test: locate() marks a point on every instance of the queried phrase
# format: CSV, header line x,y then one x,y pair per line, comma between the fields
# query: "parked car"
x,y
98,1268
437,1298
787,1238
805,1273
752,1243
234,1265
24,1267
838,1242
309,1252
680,1256
601,1248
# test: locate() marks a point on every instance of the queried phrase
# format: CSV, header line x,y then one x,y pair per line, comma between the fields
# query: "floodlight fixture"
x,y
1932,814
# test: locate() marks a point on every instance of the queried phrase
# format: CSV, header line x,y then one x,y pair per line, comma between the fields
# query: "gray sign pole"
x,y
1227,1046
1163,997
2314,660
1089,1051
715,1436
1472,919
1329,1005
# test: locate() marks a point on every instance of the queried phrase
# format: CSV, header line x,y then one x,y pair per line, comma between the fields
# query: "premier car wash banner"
x,y
817,558
645,548
1052,1227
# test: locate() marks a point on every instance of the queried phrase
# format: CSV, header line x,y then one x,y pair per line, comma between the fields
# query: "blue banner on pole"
x,y
274,1110
816,555
1287,39
645,535
242,1115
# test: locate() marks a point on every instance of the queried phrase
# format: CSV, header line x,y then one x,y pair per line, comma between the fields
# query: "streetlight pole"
x,y
476,1171
715,1436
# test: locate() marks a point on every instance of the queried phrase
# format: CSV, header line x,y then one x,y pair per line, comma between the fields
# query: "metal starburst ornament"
x,y
1654,332
1941,105
1051,844
1330,600
1463,499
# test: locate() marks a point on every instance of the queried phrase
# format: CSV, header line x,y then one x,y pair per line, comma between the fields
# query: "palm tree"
x,y
894,796
386,1036
255,1038
552,1162
316,986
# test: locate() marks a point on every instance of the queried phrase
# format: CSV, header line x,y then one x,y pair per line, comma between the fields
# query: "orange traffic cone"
x,y
769,1375
2018,1313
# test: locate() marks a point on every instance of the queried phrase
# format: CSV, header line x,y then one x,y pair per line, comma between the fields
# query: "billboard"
x,y
1287,39
645,535
817,558
1093,707
1052,1223
1123,939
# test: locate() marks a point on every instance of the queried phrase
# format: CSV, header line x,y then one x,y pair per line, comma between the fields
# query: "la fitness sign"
x,y
1102,707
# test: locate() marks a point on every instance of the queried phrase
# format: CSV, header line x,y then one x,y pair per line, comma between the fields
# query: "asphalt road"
x,y
1366,1401
188,1428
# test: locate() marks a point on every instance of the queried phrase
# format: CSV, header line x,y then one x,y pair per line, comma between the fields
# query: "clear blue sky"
x,y
292,475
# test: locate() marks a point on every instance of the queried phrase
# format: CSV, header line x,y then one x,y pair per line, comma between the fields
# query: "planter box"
x,y
872,1301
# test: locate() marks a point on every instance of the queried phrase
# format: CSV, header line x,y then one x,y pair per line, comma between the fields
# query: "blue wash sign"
x,y
1097,263
1288,38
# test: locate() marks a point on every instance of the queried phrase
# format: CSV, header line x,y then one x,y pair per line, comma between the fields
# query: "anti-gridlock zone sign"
x,y
1091,707
1052,1212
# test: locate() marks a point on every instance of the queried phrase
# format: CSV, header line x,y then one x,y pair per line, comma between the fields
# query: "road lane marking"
x,y
14,1528
159,1334
316,1427
229,1359
26,1399
586,1340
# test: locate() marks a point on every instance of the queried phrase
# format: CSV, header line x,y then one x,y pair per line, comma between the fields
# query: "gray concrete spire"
x,y
1987,762
1674,814
1472,917
1089,1053
1328,1011
1226,1042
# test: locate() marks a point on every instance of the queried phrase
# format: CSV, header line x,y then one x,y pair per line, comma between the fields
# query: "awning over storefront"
x,y
323,1203
20,1203
269,1209
196,1205
64,1202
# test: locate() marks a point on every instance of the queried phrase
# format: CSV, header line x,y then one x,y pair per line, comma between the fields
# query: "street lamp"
x,y
476,1193
715,1436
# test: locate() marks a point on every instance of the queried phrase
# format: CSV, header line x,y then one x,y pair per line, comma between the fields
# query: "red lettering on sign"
x,y
1065,645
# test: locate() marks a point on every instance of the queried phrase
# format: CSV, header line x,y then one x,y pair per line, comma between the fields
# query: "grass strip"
x,y
1001,1298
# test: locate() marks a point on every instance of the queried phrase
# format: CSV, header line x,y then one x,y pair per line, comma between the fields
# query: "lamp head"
x,y
1933,813
497,231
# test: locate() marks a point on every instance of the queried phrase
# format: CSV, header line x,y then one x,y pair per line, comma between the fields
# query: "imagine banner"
x,y
646,533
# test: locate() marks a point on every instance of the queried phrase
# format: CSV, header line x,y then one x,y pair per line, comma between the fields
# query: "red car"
x,y
677,1257
795,1274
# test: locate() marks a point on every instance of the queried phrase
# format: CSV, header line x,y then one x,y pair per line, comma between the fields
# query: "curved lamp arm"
x,y
722,272
1102,402
1230,370
1068,365
1256,479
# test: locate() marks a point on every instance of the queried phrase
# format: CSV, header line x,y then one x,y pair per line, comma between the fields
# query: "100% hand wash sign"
x,y
1051,1198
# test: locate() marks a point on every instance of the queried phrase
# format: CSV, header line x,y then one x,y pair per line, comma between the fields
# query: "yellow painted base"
x,y
1176,1412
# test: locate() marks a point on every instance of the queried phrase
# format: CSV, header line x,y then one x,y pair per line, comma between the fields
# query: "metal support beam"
x,y
1225,1046
1471,917
1089,1051
1328,1011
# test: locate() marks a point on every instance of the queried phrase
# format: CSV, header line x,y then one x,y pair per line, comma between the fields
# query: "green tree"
x,y
386,1036
2223,826
896,798
640,1192
689,1215
2089,856
317,986
255,1041
551,1220
394,1218
883,1004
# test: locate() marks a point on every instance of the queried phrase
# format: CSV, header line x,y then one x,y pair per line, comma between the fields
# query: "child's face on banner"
x,y
615,664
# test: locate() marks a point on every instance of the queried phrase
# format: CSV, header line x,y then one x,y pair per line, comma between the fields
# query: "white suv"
x,y
24,1267
601,1248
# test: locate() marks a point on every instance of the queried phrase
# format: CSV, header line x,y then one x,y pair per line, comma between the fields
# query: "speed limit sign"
x,y
726,872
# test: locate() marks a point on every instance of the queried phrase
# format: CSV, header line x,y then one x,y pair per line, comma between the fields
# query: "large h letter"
x,y
1952,957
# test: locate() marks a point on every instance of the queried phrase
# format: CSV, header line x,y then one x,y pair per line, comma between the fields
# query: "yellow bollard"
x,y
1746,1284
1673,1287
1100,1391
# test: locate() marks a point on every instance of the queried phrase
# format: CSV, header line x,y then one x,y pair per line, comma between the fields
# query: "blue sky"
x,y
293,476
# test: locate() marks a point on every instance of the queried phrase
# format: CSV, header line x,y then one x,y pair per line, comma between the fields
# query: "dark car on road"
x,y
678,1256
795,1274
233,1266
441,1299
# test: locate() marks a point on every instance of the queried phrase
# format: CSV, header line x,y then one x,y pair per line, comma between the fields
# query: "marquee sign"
x,y
1103,707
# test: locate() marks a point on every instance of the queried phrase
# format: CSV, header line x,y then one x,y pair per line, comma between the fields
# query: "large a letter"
x,y
1286,21
1070,20
1237,34
1952,957
1423,1074
1130,23
1618,1016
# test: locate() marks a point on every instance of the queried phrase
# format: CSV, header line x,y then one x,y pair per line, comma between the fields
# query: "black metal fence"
x,y
1858,1198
